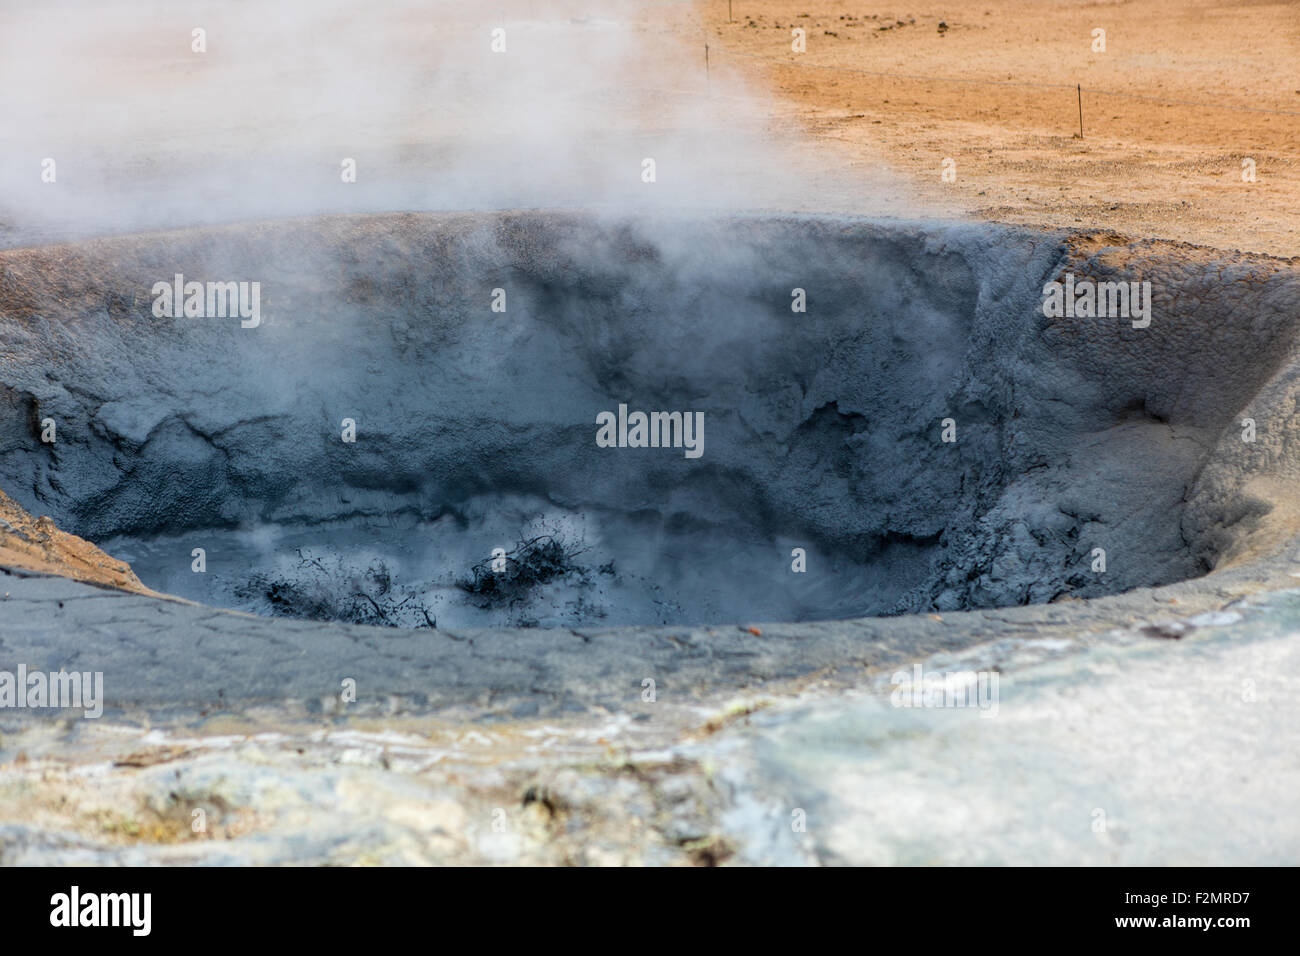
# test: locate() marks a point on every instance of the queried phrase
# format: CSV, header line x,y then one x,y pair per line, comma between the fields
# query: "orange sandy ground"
x,y
1164,159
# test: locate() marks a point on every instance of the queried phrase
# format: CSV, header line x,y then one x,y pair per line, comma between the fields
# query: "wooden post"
x,y
1080,91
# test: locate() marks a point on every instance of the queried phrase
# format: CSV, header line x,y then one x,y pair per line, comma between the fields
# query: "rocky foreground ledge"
x,y
1121,726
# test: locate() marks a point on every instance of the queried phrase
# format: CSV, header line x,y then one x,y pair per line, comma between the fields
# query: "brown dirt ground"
x,y
1179,98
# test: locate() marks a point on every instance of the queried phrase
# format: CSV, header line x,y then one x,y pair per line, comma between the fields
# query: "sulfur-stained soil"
x,y
35,544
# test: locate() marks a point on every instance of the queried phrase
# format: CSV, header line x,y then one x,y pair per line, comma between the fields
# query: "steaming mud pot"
x,y
1169,445
418,419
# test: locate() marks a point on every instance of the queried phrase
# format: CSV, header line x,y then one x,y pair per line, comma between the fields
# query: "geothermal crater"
x,y
471,356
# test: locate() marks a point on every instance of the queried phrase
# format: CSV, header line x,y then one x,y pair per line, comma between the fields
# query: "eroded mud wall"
x,y
825,426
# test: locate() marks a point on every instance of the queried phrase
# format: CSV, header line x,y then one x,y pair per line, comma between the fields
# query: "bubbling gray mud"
x,y
476,429
411,572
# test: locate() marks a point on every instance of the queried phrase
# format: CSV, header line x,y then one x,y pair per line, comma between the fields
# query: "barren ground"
x,y
1185,90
